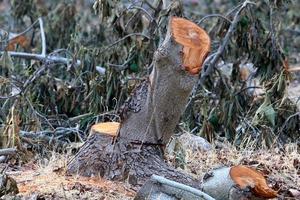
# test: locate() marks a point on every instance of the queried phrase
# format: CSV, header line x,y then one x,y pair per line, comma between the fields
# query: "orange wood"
x,y
195,42
246,177
107,128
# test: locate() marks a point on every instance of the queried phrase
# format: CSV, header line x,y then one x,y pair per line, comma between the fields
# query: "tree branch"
x,y
181,186
42,36
211,61
213,15
8,151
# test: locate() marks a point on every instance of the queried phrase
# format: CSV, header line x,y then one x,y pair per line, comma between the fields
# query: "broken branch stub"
x,y
156,106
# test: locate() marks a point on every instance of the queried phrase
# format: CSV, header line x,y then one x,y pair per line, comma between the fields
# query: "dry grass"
x,y
282,168
48,180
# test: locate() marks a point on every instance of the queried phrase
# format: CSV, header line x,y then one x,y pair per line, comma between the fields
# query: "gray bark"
x,y
123,161
149,120
155,108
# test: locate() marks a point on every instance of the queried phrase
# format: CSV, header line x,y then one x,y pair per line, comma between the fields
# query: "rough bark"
x,y
149,120
123,161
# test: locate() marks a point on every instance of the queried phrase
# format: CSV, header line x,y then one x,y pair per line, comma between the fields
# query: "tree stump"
x,y
149,117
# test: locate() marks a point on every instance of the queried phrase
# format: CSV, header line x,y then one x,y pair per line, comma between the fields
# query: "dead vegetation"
x,y
46,179
69,68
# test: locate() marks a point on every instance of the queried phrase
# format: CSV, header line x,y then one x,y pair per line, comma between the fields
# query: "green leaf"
x,y
134,67
265,110
213,118
270,114
6,61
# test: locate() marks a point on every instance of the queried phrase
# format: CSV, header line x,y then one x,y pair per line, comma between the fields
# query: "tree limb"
x,y
8,151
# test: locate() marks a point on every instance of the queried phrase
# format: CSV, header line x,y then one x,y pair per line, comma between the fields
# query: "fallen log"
x,y
226,183
238,182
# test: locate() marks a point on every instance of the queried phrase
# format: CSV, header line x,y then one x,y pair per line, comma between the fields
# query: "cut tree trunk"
x,y
151,114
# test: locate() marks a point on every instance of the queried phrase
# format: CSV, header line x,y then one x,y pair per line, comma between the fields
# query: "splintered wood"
x,y
195,42
106,128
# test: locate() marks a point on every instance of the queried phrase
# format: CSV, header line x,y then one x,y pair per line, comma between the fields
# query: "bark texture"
x,y
149,119
156,106
123,162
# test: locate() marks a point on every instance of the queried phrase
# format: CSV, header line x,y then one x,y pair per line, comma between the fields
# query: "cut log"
x,y
149,117
246,177
238,182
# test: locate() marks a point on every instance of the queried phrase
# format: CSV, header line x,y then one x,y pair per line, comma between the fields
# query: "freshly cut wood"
x,y
150,116
195,42
107,128
21,40
155,107
246,177
238,182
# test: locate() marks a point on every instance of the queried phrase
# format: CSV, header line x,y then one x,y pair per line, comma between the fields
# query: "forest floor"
x,y
46,179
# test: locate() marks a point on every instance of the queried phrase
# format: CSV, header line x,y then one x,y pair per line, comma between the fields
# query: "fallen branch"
x,y
211,61
123,38
180,186
8,151
43,57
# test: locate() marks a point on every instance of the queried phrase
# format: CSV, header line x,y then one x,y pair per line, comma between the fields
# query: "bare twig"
x,y
39,114
8,151
122,66
213,15
14,36
43,37
142,9
123,38
294,68
9,97
150,5
293,31
211,61
287,120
